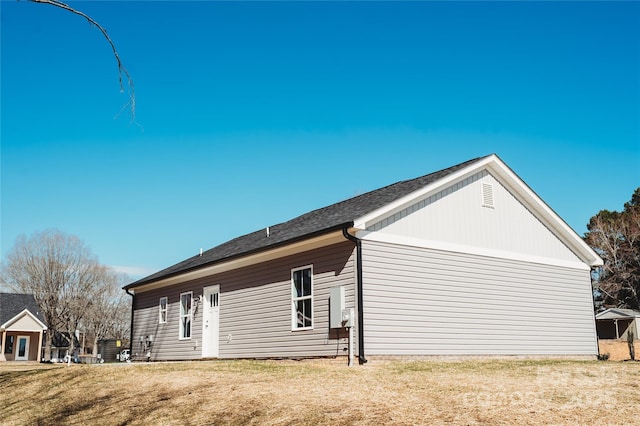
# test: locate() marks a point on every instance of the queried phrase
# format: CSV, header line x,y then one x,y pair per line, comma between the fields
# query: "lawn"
x,y
322,392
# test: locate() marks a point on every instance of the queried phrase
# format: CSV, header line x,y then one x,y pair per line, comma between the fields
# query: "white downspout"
x,y
4,342
40,345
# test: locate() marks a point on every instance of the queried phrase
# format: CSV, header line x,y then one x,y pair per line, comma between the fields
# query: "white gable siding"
x,y
457,216
25,323
420,301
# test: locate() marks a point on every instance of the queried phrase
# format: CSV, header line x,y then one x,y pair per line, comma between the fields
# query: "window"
x,y
8,344
214,300
162,311
186,315
302,298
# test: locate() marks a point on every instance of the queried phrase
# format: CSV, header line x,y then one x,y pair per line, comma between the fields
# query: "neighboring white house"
x,y
21,328
464,261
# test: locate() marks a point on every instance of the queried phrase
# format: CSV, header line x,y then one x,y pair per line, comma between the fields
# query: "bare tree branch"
x,y
71,288
123,73
616,238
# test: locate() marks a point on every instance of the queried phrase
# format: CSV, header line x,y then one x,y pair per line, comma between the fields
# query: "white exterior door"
x,y
211,322
22,348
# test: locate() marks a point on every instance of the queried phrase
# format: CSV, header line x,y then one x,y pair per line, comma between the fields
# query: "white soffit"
x,y
516,186
247,260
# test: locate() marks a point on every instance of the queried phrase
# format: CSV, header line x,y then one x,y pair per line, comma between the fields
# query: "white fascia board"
x,y
394,207
519,189
544,213
7,324
243,261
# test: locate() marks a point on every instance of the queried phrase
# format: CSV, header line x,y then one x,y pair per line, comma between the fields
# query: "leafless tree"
x,y
108,314
615,236
64,277
123,74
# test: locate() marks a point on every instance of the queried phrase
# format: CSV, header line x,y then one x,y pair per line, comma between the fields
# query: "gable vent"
x,y
487,195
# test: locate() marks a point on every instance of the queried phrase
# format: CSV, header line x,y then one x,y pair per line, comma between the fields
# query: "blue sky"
x,y
254,113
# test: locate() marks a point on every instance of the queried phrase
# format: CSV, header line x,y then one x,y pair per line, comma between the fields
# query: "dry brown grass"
x,y
496,392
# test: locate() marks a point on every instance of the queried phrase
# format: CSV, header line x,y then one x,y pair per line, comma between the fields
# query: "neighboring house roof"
x,y
362,210
13,304
618,313
60,339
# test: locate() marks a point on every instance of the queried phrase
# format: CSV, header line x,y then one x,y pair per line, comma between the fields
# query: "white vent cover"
x,y
487,195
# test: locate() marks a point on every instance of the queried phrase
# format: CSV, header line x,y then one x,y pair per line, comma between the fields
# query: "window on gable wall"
x,y
302,298
186,315
162,311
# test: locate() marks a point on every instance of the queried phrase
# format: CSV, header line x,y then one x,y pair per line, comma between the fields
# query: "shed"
x,y
617,323
109,349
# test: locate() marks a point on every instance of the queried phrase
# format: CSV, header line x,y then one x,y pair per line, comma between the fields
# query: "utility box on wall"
x,y
336,306
347,317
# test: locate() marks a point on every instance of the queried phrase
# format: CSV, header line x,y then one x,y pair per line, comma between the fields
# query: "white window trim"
x,y
161,310
24,357
294,299
190,315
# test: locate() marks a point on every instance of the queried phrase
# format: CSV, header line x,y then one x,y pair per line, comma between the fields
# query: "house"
x,y
21,328
61,343
617,323
464,261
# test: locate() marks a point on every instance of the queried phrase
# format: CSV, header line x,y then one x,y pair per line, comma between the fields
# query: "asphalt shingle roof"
x,y
11,304
316,222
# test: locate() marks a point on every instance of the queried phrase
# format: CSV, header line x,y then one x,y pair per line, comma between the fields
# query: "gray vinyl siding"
x,y
422,301
166,344
255,310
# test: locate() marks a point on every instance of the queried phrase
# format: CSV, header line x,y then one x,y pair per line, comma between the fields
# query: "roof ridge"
x,y
404,181
316,221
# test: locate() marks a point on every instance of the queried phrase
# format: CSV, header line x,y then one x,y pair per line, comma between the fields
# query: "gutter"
x,y
360,299
237,255
133,302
